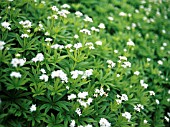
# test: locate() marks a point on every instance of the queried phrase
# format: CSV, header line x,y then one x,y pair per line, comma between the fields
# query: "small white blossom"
x,y
82,95
137,73
48,39
54,8
77,46
57,46
6,25
71,96
60,74
152,93
101,26
43,70
86,31
127,115
88,19
124,97
44,77
118,101
98,43
47,33
76,36
33,108
39,57
164,44
116,51
166,118
15,74
68,46
148,59
73,123
26,24
104,123
130,43
89,101
78,111
111,64
126,64
87,73
122,14
76,73
24,36
65,6
78,14
138,107
117,75
157,101
90,45
145,121
54,16
15,62
2,43
110,18
94,29
123,58
160,62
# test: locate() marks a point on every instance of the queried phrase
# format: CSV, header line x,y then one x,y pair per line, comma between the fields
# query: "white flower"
x,y
47,33
15,62
152,93
137,73
60,74
43,70
89,101
76,73
148,59
101,26
117,75
122,14
130,43
26,24
68,46
157,101
54,16
110,18
166,118
33,108
88,125
76,36
104,123
86,31
65,6
143,84
82,103
127,115
123,58
24,36
116,51
54,8
94,29
57,46
15,74
2,43
145,121
44,77
48,39
98,43
88,19
126,64
124,97
78,111
6,25
118,101
90,44
82,95
72,124
138,107
111,63
63,13
164,44
71,96
78,14
39,57
160,62
77,46
87,73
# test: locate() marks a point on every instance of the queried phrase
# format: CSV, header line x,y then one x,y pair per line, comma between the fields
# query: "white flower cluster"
x,y
127,115
15,74
111,64
86,31
138,107
39,57
84,74
125,63
16,61
88,19
143,84
26,24
73,123
124,97
104,123
130,43
78,111
43,76
65,6
6,25
78,14
2,43
57,46
100,92
48,39
61,75
152,93
94,29
88,125
33,108
101,26
98,42
62,13
24,35
122,14
90,45
137,73
77,46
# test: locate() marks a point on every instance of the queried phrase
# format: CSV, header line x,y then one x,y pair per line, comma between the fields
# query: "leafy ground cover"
x,y
84,63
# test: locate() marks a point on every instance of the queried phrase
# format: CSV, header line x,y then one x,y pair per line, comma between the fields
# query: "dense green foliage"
x,y
84,63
